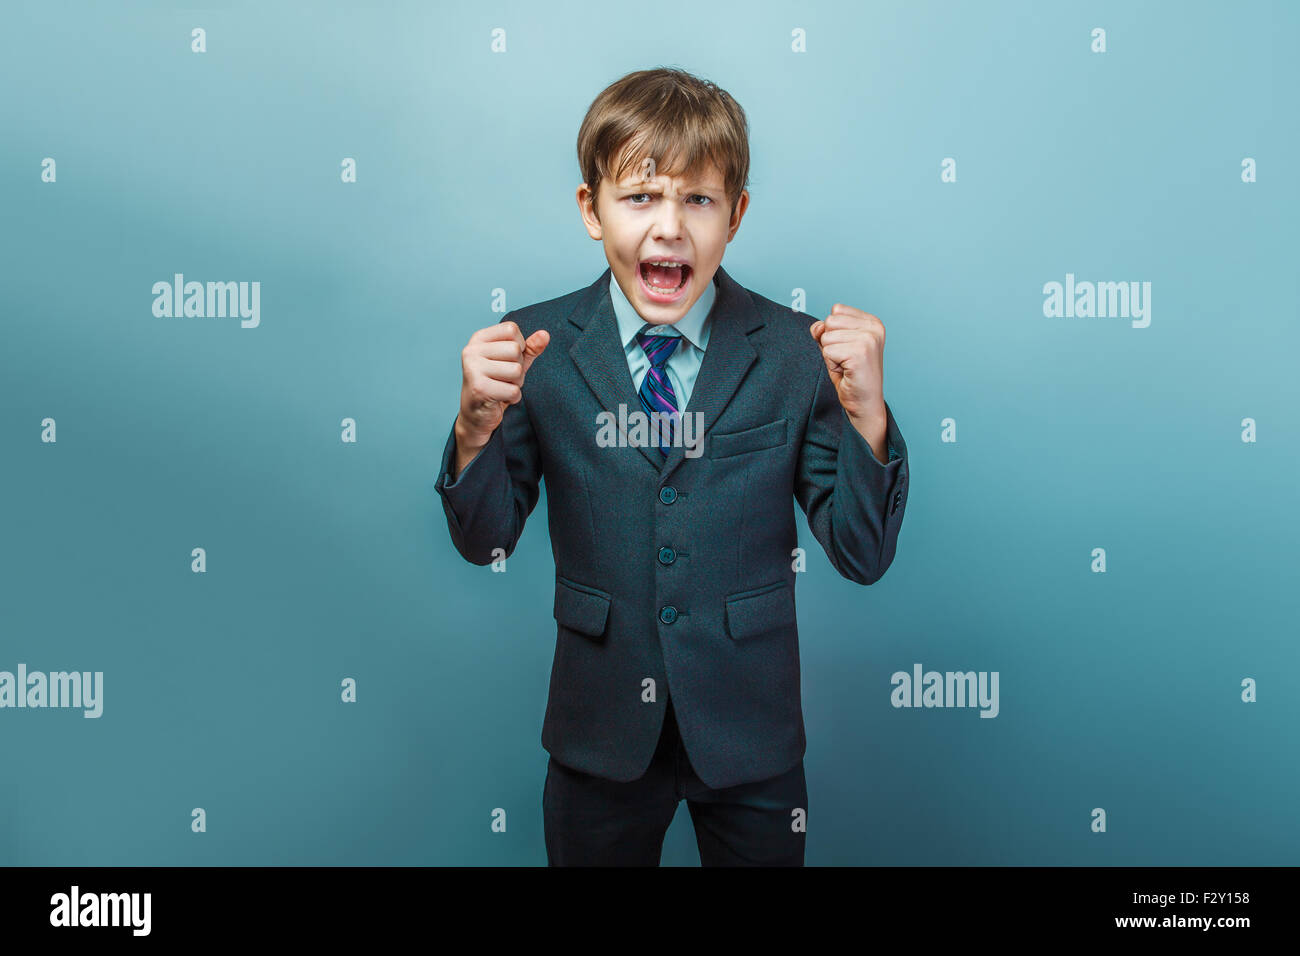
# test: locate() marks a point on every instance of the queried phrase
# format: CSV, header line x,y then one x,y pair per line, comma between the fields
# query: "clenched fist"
x,y
853,346
493,366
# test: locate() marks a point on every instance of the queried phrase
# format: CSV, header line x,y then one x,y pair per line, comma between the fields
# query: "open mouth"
x,y
664,280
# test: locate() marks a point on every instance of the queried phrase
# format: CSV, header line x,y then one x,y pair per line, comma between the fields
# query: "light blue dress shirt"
x,y
684,364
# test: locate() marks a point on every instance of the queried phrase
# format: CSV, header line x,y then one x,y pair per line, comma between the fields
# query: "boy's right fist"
x,y
493,366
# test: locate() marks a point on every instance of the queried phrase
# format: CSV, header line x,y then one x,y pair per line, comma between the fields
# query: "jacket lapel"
x,y
598,355
726,361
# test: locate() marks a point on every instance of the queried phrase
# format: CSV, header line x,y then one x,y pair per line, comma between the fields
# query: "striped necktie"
x,y
656,392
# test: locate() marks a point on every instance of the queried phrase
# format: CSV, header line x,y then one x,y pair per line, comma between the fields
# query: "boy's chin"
x,y
661,313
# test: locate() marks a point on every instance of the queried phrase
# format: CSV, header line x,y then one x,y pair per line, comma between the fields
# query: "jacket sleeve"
x,y
853,502
494,494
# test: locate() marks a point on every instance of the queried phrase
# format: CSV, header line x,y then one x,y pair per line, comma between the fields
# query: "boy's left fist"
x,y
853,345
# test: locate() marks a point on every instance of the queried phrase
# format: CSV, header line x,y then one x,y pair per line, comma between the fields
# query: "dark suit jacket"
x,y
681,570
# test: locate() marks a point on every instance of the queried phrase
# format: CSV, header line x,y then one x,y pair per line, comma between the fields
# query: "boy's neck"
x,y
694,325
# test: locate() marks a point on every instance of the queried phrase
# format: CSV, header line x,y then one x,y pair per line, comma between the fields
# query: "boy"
x,y
676,669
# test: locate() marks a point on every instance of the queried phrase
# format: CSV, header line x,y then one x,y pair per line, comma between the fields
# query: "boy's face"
x,y
682,219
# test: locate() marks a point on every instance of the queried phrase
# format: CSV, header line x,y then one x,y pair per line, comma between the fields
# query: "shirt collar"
x,y
694,325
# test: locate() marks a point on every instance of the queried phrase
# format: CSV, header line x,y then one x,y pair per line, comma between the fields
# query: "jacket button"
x,y
668,494
668,614
667,555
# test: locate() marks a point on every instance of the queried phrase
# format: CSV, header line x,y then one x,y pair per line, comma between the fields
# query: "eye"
x,y
706,199
634,195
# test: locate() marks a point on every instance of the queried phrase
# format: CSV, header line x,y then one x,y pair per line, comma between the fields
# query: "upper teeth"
x,y
655,262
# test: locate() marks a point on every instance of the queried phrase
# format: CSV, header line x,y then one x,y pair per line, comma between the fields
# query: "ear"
x,y
737,214
587,207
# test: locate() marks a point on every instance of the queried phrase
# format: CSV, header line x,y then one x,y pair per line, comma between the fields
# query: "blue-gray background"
x,y
328,560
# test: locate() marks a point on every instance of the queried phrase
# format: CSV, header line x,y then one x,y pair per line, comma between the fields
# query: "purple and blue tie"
x,y
656,392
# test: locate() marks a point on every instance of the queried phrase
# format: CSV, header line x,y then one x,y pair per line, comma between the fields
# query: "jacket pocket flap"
x,y
751,439
752,612
581,608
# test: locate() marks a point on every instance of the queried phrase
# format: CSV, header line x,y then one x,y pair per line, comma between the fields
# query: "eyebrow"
x,y
645,187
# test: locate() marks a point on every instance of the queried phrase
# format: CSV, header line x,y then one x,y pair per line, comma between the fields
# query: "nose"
x,y
669,220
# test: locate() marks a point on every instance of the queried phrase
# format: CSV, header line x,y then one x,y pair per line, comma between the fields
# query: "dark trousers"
x,y
591,821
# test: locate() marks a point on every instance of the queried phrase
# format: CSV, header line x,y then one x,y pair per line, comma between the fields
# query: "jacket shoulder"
x,y
551,314
786,327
